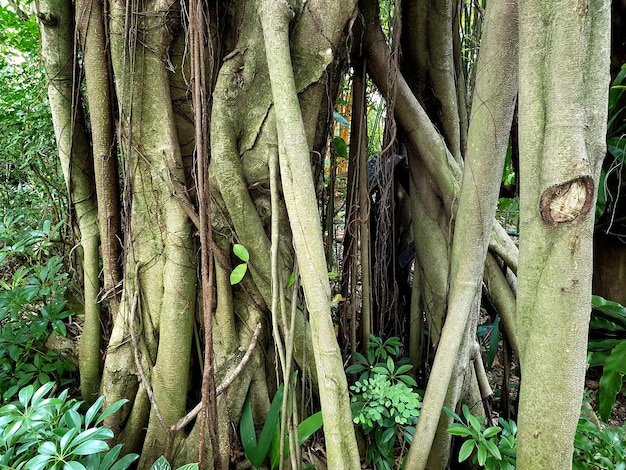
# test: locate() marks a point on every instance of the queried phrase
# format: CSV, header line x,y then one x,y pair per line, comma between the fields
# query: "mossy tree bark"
x,y
562,145
267,88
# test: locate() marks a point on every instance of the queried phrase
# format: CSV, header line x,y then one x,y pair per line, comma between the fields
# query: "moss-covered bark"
x,y
562,144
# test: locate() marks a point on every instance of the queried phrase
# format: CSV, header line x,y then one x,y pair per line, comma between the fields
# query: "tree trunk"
x,y
562,145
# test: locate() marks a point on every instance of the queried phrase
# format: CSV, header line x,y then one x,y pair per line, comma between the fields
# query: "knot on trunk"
x,y
567,201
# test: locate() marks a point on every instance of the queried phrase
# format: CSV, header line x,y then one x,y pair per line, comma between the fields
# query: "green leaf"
x,y
238,273
93,410
110,410
481,454
73,466
189,466
341,147
459,430
491,431
403,369
48,448
355,369
493,449
241,252
611,380
466,450
161,464
452,414
124,462
91,447
310,426
257,451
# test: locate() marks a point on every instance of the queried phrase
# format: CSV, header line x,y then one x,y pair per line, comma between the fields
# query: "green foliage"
x,y
599,448
489,335
492,447
616,138
495,447
30,177
607,350
162,464
32,304
269,440
383,403
380,360
52,433
240,270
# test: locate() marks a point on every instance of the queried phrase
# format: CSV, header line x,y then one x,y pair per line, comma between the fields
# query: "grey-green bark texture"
x,y
562,119
492,113
271,75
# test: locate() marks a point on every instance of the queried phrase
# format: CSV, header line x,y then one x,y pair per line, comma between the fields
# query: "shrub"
x,y
39,432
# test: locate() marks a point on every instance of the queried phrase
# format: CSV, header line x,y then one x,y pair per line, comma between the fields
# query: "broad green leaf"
x,y
124,462
408,380
161,464
355,369
388,435
459,430
110,457
238,273
93,410
403,369
310,426
491,431
73,466
481,454
110,410
466,450
48,448
493,449
611,380
341,147
189,466
25,394
241,252
38,462
91,447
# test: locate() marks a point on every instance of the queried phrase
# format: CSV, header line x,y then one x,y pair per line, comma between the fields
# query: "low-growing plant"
x,y
46,432
607,349
596,447
269,441
32,306
162,464
493,447
382,358
384,403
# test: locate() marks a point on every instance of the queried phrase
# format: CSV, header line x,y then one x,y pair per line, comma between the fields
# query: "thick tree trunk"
x,y
496,90
562,145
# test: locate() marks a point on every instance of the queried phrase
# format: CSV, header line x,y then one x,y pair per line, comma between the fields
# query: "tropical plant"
x,y
382,358
607,349
47,432
269,441
601,447
384,405
492,447
31,306
240,270
162,464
